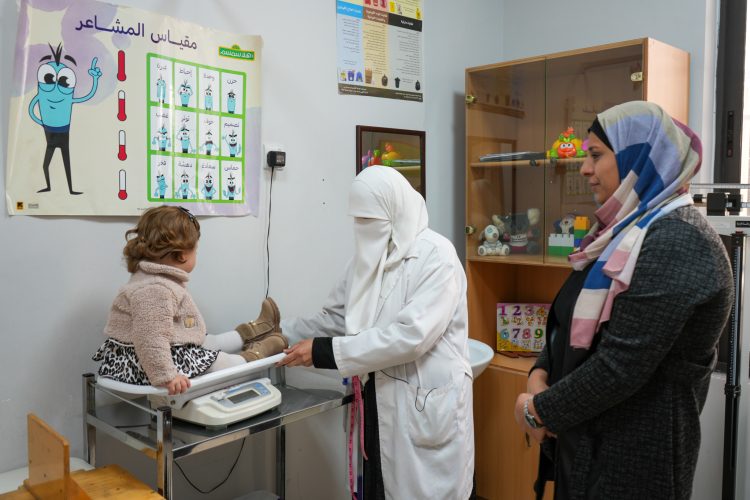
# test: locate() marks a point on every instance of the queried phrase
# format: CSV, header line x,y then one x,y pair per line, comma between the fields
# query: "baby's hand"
x,y
178,385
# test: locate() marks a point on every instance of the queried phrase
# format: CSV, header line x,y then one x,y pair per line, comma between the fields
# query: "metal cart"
x,y
166,440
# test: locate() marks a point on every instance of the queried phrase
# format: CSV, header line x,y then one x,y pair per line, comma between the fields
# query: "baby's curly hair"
x,y
161,231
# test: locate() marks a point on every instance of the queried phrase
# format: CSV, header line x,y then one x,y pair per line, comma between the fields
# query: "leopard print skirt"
x,y
119,361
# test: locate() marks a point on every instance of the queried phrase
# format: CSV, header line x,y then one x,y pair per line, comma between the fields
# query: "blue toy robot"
x,y
184,190
232,189
208,98
185,92
161,186
209,145
234,147
56,83
161,90
184,137
231,102
161,139
208,189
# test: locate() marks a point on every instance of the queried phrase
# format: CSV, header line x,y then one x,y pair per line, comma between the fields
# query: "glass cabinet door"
x,y
505,156
578,87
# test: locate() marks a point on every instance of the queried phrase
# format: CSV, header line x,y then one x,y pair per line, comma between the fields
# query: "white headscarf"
x,y
395,214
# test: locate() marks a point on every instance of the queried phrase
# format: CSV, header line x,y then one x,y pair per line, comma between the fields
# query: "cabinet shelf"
x,y
527,163
523,260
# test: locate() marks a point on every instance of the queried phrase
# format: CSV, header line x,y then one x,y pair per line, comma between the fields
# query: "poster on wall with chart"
x,y
114,110
379,46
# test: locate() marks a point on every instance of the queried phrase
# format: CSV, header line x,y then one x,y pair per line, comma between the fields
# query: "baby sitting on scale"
x,y
156,335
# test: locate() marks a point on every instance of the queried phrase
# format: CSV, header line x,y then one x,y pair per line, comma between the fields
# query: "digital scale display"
x,y
243,396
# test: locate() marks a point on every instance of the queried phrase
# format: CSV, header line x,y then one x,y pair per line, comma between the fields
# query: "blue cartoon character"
x,y
231,102
161,89
184,137
208,189
56,83
209,145
235,148
184,191
232,190
208,98
161,186
185,92
161,139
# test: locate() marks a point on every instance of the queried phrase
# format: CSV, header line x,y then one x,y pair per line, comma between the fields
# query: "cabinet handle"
x,y
528,440
470,99
637,76
470,230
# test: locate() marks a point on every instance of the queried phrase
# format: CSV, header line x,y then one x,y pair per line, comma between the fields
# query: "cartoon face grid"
x,y
232,86
231,138
184,136
160,87
185,85
209,85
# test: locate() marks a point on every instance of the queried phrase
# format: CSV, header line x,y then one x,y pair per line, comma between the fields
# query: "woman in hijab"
x,y
396,323
633,332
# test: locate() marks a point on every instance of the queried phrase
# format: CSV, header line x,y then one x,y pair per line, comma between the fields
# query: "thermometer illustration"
x,y
123,193
122,155
121,66
121,106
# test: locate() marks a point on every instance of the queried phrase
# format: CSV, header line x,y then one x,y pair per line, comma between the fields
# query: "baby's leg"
x,y
227,342
226,360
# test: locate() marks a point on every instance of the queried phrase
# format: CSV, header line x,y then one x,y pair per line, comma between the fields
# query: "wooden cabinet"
x,y
514,113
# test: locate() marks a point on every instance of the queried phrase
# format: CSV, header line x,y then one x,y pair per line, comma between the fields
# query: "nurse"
x,y
396,323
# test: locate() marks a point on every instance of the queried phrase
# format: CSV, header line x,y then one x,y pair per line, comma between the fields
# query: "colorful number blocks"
x,y
560,245
581,227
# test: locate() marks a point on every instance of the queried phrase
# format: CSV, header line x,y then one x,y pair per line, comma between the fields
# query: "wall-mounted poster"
x,y
114,110
380,48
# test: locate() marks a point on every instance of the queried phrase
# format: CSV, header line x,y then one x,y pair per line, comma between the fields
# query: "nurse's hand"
x,y
300,354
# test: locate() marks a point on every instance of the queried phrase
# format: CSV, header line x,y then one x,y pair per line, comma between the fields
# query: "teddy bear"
x,y
520,230
491,244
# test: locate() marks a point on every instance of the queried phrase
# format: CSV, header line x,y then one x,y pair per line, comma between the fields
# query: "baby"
x,y
156,335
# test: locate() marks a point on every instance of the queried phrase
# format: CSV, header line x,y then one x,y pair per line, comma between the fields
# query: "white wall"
x,y
58,275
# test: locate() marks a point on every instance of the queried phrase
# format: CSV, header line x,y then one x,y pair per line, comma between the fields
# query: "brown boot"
x,y
267,322
269,345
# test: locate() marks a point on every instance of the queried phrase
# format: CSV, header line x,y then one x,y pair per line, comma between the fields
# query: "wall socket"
x,y
272,146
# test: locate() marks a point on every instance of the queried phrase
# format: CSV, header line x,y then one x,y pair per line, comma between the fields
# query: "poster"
x,y
115,109
379,46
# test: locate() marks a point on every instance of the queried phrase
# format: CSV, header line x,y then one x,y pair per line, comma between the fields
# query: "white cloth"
x,y
417,347
386,209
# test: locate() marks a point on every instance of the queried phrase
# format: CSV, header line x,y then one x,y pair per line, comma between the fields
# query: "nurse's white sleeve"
x,y
328,322
431,302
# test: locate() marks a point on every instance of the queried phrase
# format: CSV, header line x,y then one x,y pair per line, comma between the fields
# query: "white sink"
x,y
480,355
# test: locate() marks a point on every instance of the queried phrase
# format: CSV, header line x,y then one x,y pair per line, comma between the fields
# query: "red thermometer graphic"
x,y
121,106
122,155
123,193
121,66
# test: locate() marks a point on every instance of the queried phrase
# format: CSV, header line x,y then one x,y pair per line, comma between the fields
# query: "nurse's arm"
x,y
431,301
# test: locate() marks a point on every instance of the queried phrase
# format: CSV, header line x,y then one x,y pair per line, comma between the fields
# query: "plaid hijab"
x,y
656,158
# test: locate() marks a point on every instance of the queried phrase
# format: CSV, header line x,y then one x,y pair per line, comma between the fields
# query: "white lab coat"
x,y
420,339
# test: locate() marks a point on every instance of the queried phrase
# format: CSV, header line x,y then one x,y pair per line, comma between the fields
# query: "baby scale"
x,y
235,403
216,399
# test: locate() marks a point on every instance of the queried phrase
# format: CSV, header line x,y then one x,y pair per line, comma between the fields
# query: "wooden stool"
x,y
50,477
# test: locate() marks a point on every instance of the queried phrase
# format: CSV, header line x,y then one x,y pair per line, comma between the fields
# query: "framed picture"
x,y
400,149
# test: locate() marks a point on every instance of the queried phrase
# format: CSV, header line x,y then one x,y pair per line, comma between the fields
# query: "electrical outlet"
x,y
279,157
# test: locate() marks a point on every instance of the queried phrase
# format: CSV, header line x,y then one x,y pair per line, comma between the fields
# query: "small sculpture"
x,y
567,145
491,244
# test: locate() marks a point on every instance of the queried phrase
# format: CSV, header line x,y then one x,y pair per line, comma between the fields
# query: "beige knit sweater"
x,y
154,311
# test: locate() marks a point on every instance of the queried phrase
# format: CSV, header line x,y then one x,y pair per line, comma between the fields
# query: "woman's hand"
x,y
178,385
537,381
538,434
300,354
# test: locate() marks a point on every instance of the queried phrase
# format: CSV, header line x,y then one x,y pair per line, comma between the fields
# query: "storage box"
x,y
521,326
